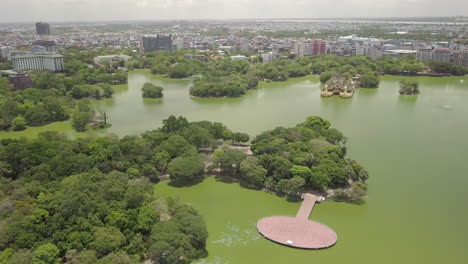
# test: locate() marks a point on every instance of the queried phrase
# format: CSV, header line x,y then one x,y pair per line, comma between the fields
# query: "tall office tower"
x,y
155,43
42,28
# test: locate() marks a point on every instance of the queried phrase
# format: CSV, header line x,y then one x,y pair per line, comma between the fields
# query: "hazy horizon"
x,y
23,11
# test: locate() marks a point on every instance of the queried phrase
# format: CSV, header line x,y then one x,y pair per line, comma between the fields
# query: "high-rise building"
x,y
424,54
155,43
51,62
299,48
320,47
42,28
442,54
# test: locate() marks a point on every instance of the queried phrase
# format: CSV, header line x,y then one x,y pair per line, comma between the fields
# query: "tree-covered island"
x,y
150,90
409,87
90,200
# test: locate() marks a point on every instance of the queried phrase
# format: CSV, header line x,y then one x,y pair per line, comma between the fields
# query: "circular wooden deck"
x,y
296,232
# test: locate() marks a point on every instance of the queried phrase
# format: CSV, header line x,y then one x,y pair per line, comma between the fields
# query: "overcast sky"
x,y
92,10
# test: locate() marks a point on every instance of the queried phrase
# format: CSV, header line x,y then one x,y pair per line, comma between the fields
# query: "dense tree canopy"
x,y
409,87
150,90
90,200
285,160
51,100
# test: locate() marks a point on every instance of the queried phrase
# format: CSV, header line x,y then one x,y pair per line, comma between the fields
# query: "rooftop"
x,y
53,55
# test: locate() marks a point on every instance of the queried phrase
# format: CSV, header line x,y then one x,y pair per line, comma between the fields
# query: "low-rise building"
x,y
396,53
239,57
51,62
111,59
270,56
198,57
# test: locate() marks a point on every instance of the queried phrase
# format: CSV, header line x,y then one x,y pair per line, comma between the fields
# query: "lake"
x,y
414,147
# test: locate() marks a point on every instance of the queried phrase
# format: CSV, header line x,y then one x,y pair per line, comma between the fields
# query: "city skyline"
x,y
125,10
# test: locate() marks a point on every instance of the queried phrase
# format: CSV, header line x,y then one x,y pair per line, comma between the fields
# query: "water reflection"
x,y
153,101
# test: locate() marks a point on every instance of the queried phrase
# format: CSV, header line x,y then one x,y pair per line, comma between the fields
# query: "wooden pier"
x,y
298,231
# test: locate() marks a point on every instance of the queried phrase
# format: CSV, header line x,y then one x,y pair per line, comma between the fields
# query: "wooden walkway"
x,y
306,206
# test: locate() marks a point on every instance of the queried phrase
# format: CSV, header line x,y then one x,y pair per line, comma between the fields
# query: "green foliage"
x,y
152,91
177,146
5,84
229,161
296,70
409,87
106,240
369,80
252,172
21,256
290,187
118,258
174,124
161,160
19,123
316,123
301,171
84,257
233,85
81,119
186,168
325,76
89,200
180,239
197,135
311,151
240,137
102,90
46,254
178,71
446,67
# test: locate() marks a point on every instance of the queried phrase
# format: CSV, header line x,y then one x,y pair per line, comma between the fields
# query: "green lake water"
x,y
414,147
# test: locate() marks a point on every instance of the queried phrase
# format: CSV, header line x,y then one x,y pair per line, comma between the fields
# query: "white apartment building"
x,y
26,62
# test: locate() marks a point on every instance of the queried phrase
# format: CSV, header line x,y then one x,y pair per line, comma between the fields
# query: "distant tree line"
x,y
233,78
